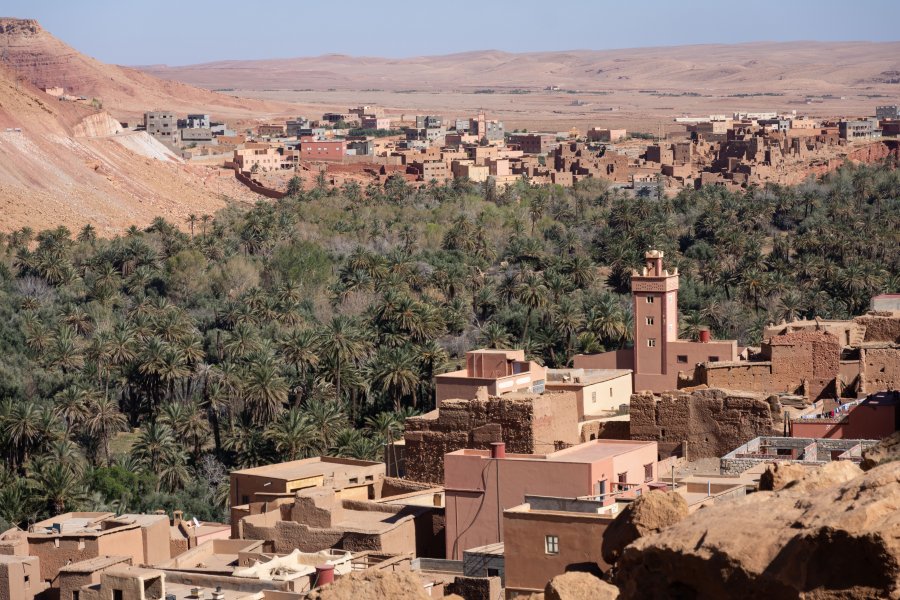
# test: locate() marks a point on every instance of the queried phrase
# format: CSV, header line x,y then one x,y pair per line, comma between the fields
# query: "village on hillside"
x,y
737,151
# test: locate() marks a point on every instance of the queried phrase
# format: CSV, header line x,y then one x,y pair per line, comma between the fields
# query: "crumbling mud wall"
x,y
527,423
703,423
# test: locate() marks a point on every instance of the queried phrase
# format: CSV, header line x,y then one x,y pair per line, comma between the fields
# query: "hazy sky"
x,y
134,32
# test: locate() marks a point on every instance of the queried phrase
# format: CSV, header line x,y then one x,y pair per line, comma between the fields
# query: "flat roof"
x,y
586,452
492,549
94,564
308,467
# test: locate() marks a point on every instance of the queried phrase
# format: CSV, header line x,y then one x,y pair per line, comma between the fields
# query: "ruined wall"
x,y
703,423
880,327
605,430
880,370
527,423
802,362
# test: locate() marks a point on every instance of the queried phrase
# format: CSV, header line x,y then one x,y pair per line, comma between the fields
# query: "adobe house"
x,y
475,479
496,371
20,578
74,537
658,354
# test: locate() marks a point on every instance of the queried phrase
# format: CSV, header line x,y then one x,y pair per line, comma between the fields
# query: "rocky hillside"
x,y
33,55
63,163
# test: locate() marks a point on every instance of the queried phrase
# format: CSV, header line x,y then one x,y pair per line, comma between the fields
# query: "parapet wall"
x,y
703,423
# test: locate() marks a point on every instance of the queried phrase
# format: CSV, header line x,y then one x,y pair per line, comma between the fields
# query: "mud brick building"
x,y
703,423
527,422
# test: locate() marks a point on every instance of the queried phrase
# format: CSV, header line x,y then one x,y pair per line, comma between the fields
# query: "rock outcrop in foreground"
x,y
836,540
578,586
648,514
373,585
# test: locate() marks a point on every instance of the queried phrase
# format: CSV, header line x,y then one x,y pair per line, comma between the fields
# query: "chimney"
x,y
704,336
498,450
324,574
177,517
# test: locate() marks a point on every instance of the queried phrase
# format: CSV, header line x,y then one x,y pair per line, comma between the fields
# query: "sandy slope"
x,y
62,163
35,55
756,67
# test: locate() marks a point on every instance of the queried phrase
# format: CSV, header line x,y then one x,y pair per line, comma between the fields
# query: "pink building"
x,y
658,355
494,372
873,418
480,484
332,150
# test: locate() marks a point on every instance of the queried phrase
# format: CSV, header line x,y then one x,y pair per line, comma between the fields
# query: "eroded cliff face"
x,y
837,541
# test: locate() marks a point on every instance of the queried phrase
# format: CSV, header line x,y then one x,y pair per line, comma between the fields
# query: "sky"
x,y
139,32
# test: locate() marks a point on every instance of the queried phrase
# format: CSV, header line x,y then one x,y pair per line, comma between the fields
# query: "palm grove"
x,y
137,370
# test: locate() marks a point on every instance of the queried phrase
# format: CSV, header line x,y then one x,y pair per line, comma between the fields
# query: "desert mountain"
x,y
63,163
751,68
33,54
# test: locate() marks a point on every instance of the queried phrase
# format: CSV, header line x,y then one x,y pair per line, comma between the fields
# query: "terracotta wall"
x,y
528,567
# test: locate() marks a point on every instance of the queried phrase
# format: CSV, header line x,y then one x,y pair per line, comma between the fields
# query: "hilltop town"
x,y
251,354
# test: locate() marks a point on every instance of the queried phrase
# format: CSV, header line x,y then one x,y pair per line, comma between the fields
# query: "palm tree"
x,y
58,487
494,335
327,418
292,435
532,294
22,428
394,373
192,220
103,420
155,440
300,348
388,427
265,392
342,343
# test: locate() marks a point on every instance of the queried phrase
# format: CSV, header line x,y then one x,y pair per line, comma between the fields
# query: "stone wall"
x,y
703,423
880,369
527,423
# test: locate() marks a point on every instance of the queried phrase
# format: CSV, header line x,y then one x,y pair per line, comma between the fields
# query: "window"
x,y
649,320
622,480
245,499
648,472
713,359
551,544
610,392
593,397
682,358
649,299
118,595
493,572
354,480
370,478
651,342
28,581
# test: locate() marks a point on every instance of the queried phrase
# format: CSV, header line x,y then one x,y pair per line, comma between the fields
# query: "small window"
x,y
370,478
493,572
713,359
648,472
551,544
649,320
28,581
245,500
593,397
610,392
118,595
681,358
649,299
354,480
651,342
622,481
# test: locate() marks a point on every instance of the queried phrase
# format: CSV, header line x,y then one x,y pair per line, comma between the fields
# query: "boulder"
x,y
373,585
886,450
577,585
797,478
838,541
650,513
